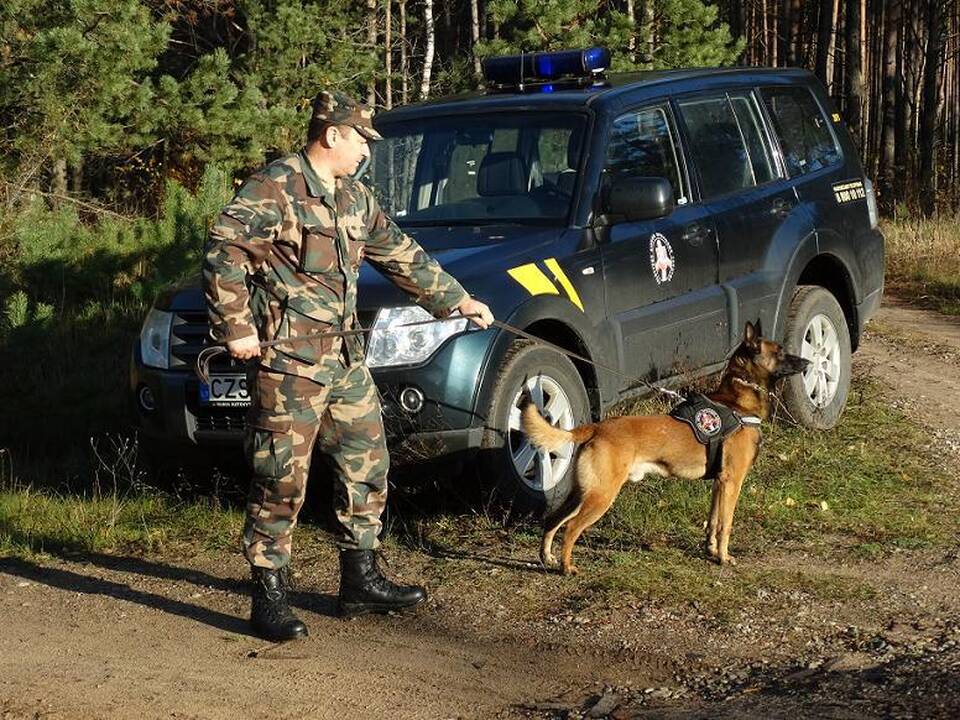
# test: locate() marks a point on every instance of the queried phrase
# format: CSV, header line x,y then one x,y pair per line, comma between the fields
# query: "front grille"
x,y
215,418
189,335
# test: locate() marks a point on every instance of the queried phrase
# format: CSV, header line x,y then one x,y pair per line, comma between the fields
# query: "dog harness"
x,y
711,423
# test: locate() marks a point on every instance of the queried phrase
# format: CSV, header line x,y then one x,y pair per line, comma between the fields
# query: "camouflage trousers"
x,y
289,416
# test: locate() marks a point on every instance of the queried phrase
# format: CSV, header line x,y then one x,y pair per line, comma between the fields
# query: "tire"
x,y
816,330
522,474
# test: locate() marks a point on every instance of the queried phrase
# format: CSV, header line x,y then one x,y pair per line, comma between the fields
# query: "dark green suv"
x,y
638,221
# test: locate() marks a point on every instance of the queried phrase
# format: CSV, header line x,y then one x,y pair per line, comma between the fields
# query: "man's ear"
x,y
330,135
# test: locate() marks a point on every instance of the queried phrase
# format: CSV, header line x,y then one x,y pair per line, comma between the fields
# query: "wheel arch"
x,y
556,321
830,273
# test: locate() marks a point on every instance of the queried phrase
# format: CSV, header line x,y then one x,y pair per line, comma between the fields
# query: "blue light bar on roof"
x,y
518,69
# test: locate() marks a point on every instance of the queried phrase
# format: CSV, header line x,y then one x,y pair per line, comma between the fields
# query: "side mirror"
x,y
643,198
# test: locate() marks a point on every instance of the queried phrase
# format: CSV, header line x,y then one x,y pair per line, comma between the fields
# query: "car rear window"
x,y
803,129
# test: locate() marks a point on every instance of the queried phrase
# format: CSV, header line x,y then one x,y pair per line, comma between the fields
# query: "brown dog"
x,y
627,448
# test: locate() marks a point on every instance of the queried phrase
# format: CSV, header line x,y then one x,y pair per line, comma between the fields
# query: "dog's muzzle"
x,y
791,365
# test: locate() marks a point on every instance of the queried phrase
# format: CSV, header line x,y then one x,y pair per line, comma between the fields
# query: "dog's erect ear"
x,y
750,334
758,329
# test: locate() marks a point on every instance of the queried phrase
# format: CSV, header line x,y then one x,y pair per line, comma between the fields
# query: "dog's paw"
x,y
548,560
570,570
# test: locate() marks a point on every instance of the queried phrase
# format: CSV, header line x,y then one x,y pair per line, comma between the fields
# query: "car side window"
x,y
717,145
643,144
805,136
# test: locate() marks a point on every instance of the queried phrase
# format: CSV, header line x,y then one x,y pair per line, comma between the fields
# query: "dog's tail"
x,y
544,435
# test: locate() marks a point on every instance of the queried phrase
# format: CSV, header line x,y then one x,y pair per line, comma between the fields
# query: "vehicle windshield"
x,y
518,167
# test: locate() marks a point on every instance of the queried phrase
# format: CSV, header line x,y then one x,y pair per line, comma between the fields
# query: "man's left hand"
x,y
472,306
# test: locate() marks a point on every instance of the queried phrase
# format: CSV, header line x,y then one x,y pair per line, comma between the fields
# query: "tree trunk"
x,y
76,176
647,39
632,20
794,37
404,55
929,125
429,31
792,22
388,54
58,181
475,37
825,23
372,45
740,19
853,86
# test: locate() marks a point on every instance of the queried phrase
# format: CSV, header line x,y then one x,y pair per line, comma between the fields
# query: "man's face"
x,y
349,150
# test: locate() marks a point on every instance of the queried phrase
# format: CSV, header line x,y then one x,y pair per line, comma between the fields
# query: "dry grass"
x,y
923,262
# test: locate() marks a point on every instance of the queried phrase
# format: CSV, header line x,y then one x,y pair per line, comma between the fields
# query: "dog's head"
x,y
765,361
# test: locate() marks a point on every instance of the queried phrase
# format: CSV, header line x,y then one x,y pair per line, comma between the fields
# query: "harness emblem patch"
x,y
661,258
708,420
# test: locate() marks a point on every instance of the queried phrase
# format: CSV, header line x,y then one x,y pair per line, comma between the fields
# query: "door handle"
x,y
696,233
781,207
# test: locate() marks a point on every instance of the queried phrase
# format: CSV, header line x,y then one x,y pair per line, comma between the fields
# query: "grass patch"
x,y
862,491
869,480
923,262
147,522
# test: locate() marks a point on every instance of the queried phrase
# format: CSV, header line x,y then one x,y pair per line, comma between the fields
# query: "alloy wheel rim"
x,y
538,469
821,346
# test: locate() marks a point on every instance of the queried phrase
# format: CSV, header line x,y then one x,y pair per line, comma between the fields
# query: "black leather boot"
x,y
270,614
364,590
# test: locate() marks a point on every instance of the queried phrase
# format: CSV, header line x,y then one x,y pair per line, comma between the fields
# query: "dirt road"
x,y
165,637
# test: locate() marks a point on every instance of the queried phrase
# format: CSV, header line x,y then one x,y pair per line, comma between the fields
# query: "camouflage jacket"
x,y
283,258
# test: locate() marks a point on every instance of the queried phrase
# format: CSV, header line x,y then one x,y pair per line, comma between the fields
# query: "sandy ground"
x,y
116,637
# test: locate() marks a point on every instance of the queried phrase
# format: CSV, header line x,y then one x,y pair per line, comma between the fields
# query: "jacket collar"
x,y
316,186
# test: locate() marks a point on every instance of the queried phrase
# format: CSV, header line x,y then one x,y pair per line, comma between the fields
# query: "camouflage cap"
x,y
340,109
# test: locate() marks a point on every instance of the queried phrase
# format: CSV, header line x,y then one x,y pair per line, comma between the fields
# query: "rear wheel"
x,y
534,479
817,331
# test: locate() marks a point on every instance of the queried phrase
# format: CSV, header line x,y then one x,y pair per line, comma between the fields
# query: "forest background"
x,y
125,124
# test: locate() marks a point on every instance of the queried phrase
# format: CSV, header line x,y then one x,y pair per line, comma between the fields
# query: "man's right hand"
x,y
244,348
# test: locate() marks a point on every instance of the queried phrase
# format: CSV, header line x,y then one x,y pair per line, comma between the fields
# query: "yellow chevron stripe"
x,y
533,279
562,278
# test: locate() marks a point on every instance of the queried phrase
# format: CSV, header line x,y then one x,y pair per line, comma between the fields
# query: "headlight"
x,y
393,344
871,203
155,339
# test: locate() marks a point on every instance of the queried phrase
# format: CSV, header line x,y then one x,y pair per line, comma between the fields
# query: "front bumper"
x,y
447,424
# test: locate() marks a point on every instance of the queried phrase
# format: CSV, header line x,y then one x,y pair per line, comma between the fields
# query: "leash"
x,y
202,368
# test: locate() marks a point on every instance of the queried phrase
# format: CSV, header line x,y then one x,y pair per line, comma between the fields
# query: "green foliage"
x,y
297,49
692,37
533,25
73,73
78,292
687,32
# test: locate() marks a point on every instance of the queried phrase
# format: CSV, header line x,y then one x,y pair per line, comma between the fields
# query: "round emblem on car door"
x,y
661,258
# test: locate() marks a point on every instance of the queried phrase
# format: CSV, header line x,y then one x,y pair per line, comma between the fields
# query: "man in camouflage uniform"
x,y
282,262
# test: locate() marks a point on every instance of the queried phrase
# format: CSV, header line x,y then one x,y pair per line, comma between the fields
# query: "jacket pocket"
x,y
318,250
269,441
294,325
356,242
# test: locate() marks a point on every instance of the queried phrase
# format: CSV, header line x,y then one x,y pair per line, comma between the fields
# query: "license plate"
x,y
225,391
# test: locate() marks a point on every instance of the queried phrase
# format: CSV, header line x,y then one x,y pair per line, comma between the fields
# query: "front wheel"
x,y
534,479
816,330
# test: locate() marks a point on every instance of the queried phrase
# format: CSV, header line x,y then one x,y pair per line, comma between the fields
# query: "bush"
x,y
74,293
